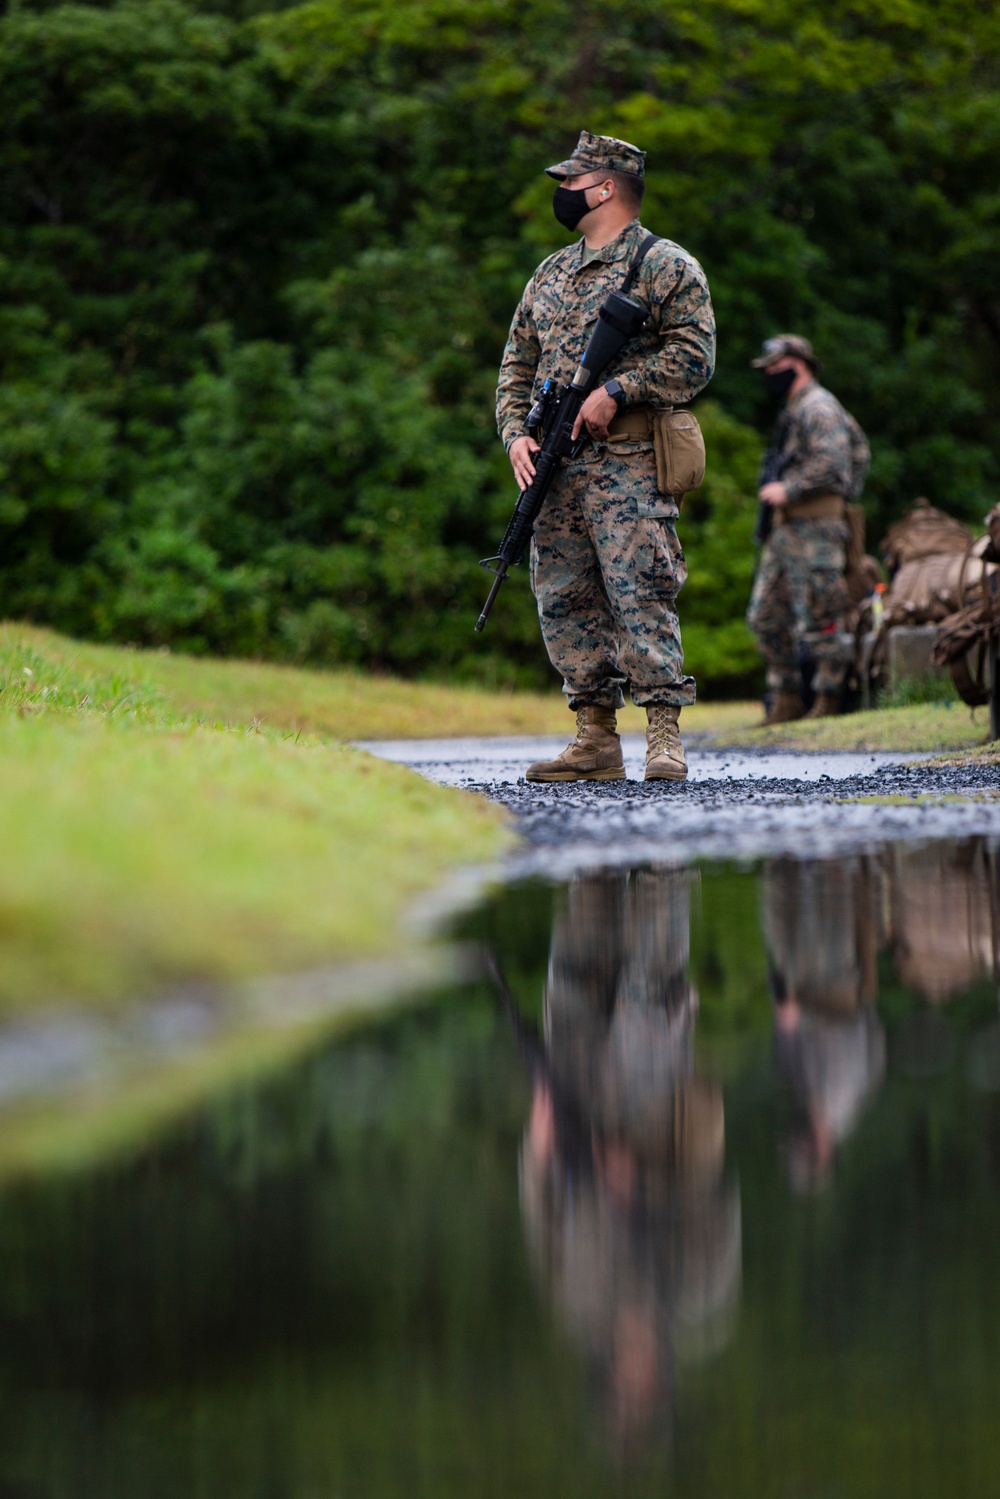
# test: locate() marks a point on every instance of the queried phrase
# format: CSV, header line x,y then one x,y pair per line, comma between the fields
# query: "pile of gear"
x,y
967,638
939,575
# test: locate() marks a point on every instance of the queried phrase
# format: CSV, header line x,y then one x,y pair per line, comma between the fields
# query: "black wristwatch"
x,y
616,393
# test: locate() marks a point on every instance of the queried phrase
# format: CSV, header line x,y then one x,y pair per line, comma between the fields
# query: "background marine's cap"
x,y
783,344
600,153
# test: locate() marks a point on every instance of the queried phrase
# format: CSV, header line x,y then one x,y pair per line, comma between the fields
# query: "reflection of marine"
x,y
633,1226
832,1064
822,923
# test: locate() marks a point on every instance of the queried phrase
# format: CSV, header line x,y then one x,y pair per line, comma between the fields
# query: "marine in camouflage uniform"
x,y
800,595
606,561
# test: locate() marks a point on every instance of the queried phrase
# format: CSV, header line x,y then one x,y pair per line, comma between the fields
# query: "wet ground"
x,y
735,804
690,1187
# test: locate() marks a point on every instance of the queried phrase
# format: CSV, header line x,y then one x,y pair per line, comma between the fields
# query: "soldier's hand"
x,y
597,410
520,453
774,493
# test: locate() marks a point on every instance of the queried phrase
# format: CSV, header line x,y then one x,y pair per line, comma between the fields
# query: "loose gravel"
x,y
735,805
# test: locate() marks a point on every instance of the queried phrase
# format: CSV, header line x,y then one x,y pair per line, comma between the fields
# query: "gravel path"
x,y
736,804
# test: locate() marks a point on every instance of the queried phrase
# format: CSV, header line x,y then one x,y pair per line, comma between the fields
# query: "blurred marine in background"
x,y
815,466
606,562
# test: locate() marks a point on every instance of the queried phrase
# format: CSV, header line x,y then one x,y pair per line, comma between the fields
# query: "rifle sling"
x,y
633,270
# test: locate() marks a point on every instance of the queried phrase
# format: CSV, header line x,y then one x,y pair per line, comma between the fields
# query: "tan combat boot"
x,y
827,705
594,755
664,752
785,708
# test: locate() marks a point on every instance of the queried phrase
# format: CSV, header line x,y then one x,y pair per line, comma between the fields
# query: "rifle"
x,y
772,467
553,415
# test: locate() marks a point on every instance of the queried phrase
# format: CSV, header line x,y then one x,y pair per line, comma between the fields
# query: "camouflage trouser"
x,y
606,569
799,598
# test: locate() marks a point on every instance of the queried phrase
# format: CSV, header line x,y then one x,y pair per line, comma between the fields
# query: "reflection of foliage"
x,y
728,964
258,268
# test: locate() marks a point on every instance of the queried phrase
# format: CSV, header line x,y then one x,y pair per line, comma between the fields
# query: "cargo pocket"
x,y
660,571
650,504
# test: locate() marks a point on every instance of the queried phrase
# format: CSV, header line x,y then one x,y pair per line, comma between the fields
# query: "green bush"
x,y
257,267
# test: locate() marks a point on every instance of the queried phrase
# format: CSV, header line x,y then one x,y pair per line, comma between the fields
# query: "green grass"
x,y
135,856
344,705
144,844
158,830
923,726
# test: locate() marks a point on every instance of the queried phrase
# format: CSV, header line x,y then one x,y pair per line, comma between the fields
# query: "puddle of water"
x,y
696,1193
456,762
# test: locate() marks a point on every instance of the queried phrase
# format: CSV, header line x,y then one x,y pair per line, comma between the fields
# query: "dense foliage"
x,y
257,269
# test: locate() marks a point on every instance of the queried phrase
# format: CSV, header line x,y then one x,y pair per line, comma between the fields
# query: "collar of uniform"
x,y
803,394
626,243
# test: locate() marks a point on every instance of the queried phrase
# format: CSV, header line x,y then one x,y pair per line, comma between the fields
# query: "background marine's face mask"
x,y
779,382
570,205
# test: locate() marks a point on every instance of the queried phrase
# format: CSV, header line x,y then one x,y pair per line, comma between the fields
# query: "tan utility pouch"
x,y
680,452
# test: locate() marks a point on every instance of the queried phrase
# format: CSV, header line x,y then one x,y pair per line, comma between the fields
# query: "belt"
x,y
632,425
827,506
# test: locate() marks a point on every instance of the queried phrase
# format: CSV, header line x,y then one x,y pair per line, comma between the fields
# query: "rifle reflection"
x,y
632,1224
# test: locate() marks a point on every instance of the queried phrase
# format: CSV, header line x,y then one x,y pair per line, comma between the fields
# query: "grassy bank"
x,y
145,844
925,726
340,704
161,843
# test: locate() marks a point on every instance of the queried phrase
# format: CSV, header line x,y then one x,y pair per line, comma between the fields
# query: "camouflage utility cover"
x,y
600,153
783,346
823,448
667,364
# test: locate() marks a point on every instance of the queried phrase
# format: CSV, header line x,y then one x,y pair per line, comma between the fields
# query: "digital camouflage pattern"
x,y
667,364
799,594
606,563
800,597
606,569
823,450
600,153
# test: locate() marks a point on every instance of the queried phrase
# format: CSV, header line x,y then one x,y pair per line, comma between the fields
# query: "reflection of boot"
x,y
664,752
594,755
827,705
785,707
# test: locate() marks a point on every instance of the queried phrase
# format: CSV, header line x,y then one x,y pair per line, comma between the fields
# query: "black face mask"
x,y
779,383
570,205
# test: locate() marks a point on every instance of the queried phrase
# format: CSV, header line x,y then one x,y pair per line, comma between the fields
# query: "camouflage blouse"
x,y
823,450
669,362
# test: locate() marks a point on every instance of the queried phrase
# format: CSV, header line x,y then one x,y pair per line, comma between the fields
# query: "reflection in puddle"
x,y
705,1203
633,1229
822,926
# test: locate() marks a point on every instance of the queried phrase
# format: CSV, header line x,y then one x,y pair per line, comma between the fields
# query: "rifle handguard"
x,y
618,321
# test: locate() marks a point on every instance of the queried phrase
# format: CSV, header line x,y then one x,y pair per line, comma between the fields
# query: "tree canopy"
x,y
258,266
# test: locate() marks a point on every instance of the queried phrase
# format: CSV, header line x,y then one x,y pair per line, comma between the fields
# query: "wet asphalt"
x,y
736,804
